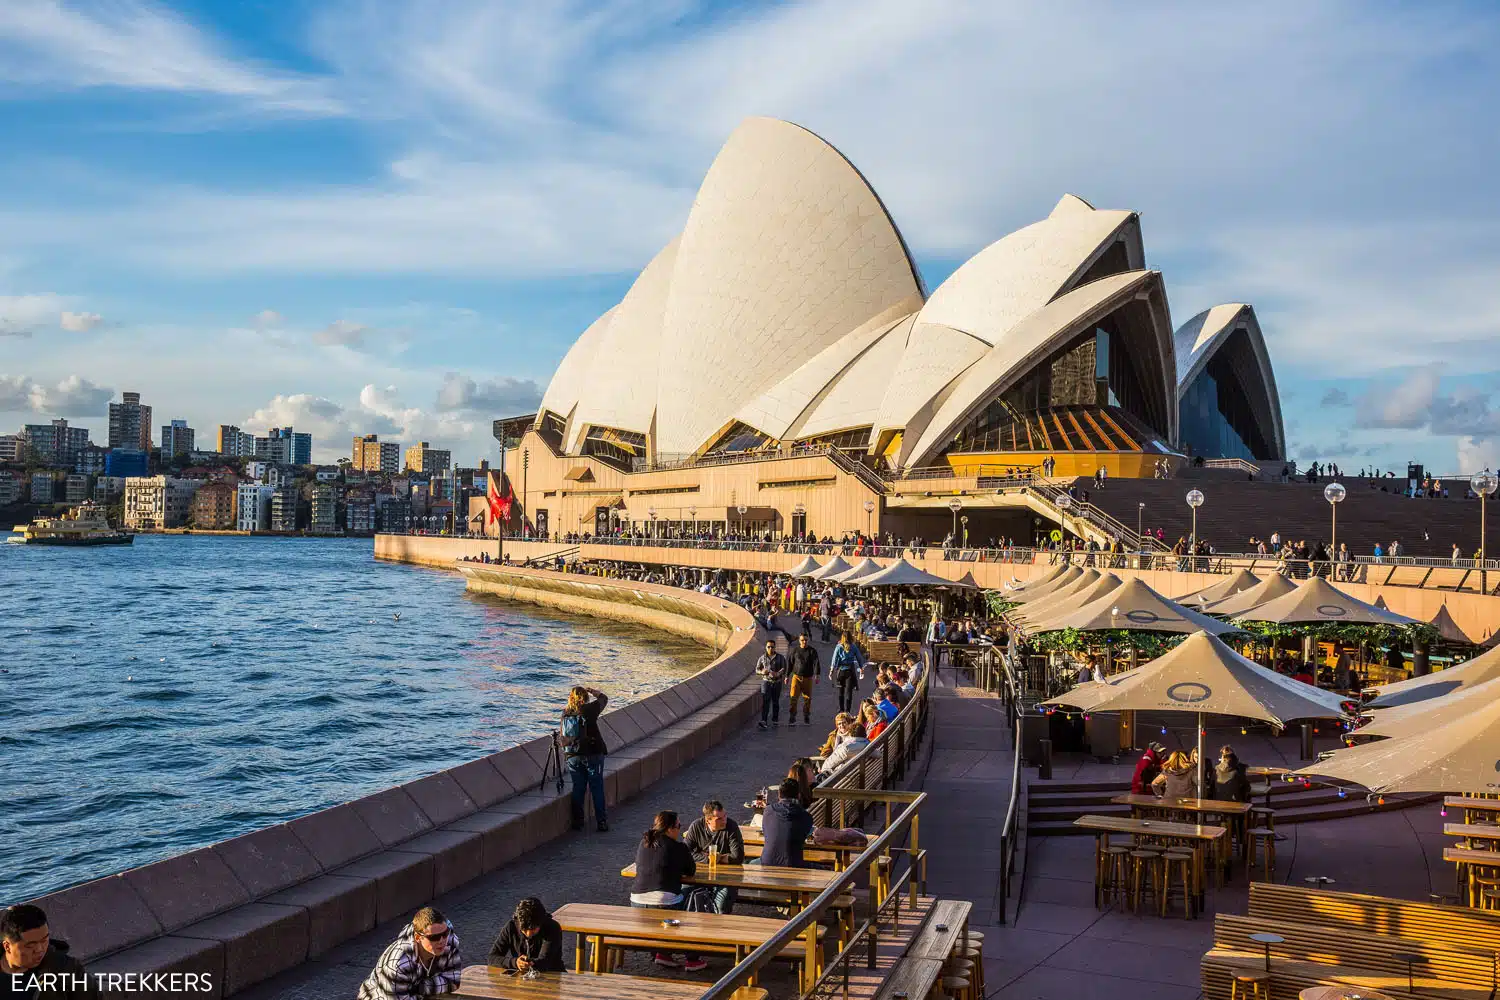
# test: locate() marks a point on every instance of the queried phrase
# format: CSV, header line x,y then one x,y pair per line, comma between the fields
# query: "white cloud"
x,y
379,410
495,397
79,322
139,45
21,315
73,396
266,319
1477,454
341,333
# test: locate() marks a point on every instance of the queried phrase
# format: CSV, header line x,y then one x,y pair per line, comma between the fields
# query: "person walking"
x,y
825,613
771,668
845,670
584,747
805,673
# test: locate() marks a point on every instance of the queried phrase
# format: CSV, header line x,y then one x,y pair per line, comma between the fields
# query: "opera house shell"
x,y
788,314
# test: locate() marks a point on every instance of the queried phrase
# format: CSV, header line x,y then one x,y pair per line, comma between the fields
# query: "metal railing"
x,y
1010,829
1238,464
1102,520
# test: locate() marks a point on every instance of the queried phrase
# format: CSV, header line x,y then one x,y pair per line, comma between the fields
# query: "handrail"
x,y
1100,518
814,910
1010,829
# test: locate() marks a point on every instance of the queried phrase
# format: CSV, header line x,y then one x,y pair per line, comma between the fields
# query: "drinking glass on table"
x,y
713,857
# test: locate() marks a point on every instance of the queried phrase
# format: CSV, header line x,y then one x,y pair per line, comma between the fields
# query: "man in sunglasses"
x,y
423,961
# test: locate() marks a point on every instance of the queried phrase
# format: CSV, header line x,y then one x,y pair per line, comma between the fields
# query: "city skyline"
x,y
281,219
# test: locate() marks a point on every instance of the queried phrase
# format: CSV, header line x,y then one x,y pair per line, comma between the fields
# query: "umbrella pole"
x,y
1200,755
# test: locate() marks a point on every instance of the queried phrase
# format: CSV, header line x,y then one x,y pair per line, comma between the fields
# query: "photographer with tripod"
x,y
584,746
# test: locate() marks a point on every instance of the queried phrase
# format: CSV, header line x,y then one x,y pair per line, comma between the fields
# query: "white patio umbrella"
x,y
832,568
866,567
1134,605
1236,605
807,567
1243,580
1448,629
1088,694
1203,675
1457,757
1317,600
903,574
1060,595
1483,668
1041,611
1057,582
1416,717
1036,581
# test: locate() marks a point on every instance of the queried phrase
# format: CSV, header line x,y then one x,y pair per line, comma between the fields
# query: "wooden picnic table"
x,y
1473,831
837,855
493,983
1201,837
1468,858
597,921
797,885
1339,992
1235,812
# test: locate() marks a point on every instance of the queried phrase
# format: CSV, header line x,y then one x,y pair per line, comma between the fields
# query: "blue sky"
x,y
396,216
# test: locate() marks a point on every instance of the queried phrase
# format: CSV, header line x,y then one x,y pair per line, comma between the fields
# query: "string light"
x,y
1244,731
1380,801
1443,812
1343,794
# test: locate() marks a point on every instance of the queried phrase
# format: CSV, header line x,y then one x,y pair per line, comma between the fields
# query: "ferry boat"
x,y
86,524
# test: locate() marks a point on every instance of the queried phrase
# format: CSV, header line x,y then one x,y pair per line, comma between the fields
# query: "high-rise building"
x,y
90,459
76,488
370,454
284,504
42,487
130,423
10,488
106,488
324,511
214,507
12,448
301,449
254,502
127,462
284,446
359,516
55,444
421,458
235,443
156,502
176,440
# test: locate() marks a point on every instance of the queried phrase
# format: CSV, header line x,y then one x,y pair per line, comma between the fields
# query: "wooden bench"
x,y
878,652
1435,923
1312,955
795,950
914,978
953,916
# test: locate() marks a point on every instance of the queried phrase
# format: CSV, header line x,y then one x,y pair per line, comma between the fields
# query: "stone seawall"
x,y
248,908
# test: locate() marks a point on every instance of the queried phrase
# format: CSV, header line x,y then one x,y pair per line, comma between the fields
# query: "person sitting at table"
x,y
852,740
804,772
1231,780
1178,778
1147,768
423,961
910,633
842,718
530,939
786,828
662,861
886,704
914,669
874,722
714,830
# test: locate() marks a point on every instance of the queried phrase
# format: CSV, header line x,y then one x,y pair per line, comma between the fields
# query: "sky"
x,y
359,216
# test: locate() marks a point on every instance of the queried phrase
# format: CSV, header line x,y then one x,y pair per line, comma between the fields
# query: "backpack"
x,y
572,731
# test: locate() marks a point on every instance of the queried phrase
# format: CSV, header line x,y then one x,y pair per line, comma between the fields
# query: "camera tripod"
x,y
552,764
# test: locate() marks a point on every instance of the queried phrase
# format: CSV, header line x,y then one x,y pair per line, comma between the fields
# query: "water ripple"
x,y
178,691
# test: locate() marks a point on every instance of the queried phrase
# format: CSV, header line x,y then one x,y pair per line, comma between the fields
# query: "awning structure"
x,y
1033,615
903,574
866,567
1057,582
1317,601
831,569
1243,580
579,474
1134,605
1448,628
1236,605
1036,582
807,567
1457,757
1483,668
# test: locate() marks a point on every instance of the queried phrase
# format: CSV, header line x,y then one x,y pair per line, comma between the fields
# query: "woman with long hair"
x,y
803,771
584,749
662,861
845,669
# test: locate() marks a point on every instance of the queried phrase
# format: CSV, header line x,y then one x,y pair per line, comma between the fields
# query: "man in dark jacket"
x,y
786,827
584,746
771,668
33,965
529,940
714,830
805,665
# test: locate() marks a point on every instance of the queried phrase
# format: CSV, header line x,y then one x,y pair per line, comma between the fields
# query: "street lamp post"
x,y
1334,493
1484,484
1195,500
525,501
955,505
869,513
742,508
693,513
651,513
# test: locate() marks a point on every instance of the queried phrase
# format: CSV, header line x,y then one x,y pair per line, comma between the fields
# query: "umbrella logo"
x,y
1190,692
1332,611
1142,616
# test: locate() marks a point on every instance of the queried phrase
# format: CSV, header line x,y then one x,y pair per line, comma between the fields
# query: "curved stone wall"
x,y
246,909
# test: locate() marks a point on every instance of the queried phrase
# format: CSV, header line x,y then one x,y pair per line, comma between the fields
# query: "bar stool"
x,y
1180,861
959,968
1113,885
1485,891
1250,986
974,954
957,988
1263,817
1145,874
1263,839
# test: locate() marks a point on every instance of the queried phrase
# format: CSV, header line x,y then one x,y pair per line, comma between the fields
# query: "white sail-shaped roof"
x,y
785,251
571,377
1203,336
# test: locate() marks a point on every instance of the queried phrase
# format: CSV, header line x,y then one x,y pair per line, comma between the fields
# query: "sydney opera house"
x,y
780,366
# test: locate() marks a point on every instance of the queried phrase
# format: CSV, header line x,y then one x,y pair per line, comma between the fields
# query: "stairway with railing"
x,y
1094,521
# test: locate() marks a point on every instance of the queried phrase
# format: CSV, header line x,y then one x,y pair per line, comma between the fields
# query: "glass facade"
x,y
1215,418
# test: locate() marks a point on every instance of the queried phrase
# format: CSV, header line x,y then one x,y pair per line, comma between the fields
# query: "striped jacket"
x,y
401,975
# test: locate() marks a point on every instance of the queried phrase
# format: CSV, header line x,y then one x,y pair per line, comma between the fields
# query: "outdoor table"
x,y
1339,993
1234,812
1267,939
1473,831
1470,806
837,854
1201,836
1468,858
493,983
797,885
1267,772
597,921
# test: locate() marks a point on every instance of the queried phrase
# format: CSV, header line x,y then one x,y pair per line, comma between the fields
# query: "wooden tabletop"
x,y
755,838
1148,827
1471,856
497,984
1265,771
1224,806
913,977
646,924
1339,993
1478,805
1481,831
936,944
795,880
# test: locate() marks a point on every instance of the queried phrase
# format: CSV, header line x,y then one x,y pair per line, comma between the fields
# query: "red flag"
x,y
499,505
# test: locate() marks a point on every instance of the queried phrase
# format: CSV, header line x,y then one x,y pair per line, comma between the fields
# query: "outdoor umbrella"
x,y
1133,605
1060,596
1037,581
903,574
1484,667
1058,582
1203,675
1033,614
1236,605
1088,694
1243,580
806,567
1418,716
866,567
834,567
1316,601
1457,757
1448,628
